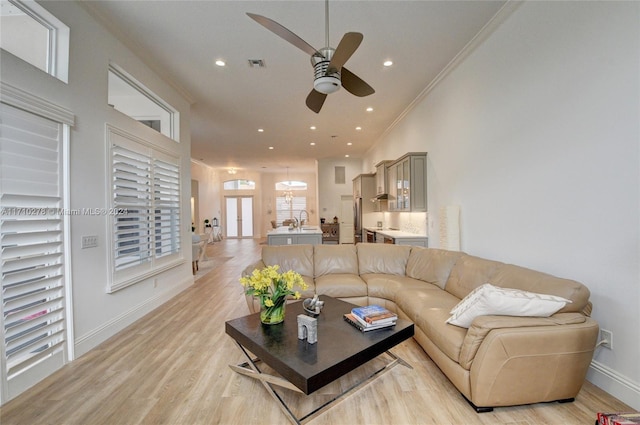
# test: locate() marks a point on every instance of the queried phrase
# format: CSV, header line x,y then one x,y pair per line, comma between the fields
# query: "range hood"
x,y
382,196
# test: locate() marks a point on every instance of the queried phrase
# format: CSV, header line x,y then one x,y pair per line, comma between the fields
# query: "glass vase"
x,y
274,314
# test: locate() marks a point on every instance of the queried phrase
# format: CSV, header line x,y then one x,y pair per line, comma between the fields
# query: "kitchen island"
x,y
300,235
393,236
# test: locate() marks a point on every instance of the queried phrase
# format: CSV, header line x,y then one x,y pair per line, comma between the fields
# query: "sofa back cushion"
x,y
510,276
382,258
468,273
471,272
333,259
431,265
298,258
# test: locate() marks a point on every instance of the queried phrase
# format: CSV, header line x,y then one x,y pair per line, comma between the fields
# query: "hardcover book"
x,y
351,319
389,321
374,314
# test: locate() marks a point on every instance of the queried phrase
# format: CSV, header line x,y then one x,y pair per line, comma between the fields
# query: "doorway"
x,y
239,216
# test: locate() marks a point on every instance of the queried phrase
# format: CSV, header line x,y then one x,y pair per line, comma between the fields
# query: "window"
x,y
239,185
134,100
288,210
145,209
30,32
291,185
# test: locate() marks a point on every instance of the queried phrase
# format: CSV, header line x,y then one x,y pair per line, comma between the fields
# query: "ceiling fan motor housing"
x,y
325,82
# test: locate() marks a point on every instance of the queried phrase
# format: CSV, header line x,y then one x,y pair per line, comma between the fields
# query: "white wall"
x,y
535,134
328,191
209,199
96,314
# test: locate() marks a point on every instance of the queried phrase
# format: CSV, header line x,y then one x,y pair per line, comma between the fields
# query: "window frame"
x,y
57,61
156,262
173,132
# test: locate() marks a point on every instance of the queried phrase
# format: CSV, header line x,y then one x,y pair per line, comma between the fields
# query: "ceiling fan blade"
x,y
348,45
283,32
315,100
354,84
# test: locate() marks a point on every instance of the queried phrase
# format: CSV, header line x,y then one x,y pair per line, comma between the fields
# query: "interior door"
x,y
346,219
239,217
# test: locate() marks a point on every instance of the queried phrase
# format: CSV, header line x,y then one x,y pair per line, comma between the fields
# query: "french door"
x,y
239,216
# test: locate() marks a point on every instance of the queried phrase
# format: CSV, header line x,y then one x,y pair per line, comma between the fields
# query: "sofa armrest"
x,y
251,267
533,364
252,302
482,325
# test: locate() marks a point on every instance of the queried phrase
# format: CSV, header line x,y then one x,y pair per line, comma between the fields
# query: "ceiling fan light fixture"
x,y
327,84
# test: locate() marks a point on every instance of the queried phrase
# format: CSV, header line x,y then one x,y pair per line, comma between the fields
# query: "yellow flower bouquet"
x,y
272,288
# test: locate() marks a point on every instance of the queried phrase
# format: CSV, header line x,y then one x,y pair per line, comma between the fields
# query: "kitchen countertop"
x,y
396,234
306,230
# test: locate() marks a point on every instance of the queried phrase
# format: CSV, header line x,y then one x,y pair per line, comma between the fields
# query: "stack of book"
x,y
371,317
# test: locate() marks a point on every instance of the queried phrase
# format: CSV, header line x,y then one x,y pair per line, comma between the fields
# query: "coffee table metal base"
x,y
250,369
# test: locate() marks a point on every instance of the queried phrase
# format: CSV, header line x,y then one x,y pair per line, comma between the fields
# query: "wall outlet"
x,y
89,241
606,337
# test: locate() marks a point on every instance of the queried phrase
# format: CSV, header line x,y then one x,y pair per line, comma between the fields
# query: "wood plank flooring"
x,y
171,367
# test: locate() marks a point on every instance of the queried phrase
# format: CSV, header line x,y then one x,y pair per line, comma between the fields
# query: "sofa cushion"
x,y
331,259
431,265
298,258
387,286
382,258
489,300
468,273
341,285
428,307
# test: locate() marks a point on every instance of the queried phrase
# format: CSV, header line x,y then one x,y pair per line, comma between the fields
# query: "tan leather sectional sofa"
x,y
498,360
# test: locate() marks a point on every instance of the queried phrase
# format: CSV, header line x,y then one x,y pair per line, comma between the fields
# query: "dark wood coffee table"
x,y
307,367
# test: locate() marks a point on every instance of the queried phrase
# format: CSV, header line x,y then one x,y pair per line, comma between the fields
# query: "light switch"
x,y
89,241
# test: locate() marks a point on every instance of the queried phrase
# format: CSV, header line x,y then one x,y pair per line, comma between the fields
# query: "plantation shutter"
x,y
166,184
285,211
32,248
144,211
132,204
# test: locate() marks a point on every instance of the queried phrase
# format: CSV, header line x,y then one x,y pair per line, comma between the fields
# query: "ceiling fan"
x,y
329,72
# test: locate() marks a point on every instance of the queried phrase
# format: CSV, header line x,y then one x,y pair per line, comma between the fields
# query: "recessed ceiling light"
x,y
346,156
349,144
261,130
313,127
358,128
312,143
270,147
387,63
220,62
369,109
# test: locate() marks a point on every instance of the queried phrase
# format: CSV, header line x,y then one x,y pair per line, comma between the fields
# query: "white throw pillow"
x,y
488,300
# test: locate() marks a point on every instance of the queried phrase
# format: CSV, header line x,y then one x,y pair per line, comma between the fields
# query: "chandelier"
x,y
288,194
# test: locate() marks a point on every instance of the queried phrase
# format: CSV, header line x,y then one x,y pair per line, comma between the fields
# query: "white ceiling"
x,y
182,39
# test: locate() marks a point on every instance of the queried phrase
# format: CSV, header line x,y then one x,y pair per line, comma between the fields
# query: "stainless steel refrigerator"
x,y
357,220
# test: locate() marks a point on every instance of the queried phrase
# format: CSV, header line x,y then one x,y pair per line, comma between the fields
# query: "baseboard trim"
x,y
92,339
619,386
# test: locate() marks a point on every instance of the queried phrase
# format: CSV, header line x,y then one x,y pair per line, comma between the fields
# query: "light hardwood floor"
x,y
171,367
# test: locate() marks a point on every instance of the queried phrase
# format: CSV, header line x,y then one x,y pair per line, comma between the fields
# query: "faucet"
x,y
306,217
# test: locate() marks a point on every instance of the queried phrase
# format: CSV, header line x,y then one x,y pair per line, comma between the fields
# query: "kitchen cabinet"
x,y
397,237
381,178
392,190
363,186
407,180
357,187
411,241
295,239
